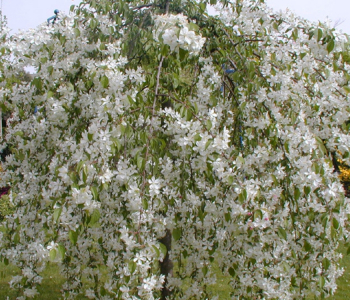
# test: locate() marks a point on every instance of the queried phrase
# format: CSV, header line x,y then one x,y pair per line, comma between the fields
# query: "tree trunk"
x,y
335,162
166,266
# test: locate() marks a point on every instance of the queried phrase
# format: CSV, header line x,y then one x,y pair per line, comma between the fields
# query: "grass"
x,y
343,291
50,288
52,282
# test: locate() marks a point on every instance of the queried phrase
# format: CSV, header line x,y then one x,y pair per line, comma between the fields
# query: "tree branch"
x,y
144,5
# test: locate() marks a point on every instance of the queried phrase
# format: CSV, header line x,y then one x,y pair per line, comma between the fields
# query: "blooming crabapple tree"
x,y
157,142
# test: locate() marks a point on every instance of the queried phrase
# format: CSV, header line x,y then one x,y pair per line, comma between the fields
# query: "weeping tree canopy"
x,y
157,141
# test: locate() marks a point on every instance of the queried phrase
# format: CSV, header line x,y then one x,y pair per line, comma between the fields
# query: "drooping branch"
x,y
157,84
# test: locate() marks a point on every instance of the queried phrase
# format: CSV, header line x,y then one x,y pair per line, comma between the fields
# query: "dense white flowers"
x,y
177,32
117,143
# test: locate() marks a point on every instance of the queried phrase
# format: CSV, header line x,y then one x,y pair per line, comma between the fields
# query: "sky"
x,y
315,10
24,14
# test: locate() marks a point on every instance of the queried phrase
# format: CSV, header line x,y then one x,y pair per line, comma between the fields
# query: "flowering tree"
x,y
156,141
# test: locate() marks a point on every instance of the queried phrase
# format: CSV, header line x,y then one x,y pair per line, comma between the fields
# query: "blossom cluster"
x,y
176,31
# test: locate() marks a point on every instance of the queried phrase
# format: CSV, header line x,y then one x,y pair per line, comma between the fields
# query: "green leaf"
x,y
245,194
95,216
326,263
209,125
282,233
56,214
213,2
144,203
319,34
103,291
241,198
302,55
286,147
140,161
50,94
132,266
258,214
188,115
85,173
321,146
307,190
307,246
19,133
295,34
80,165
193,26
205,270
94,192
156,250
232,272
131,101
93,23
53,254
335,223
182,54
202,6
240,159
296,194
330,46
177,232
165,50
151,82
207,144
73,237
50,69
163,249
104,81
117,144
230,180
37,82
322,282
61,251
16,238
76,32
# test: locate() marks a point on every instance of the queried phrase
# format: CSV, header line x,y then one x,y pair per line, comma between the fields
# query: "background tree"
x,y
156,123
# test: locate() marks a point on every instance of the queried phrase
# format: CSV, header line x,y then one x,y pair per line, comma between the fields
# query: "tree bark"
x,y
166,266
335,162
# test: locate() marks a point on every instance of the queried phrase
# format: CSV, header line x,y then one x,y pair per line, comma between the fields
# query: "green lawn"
x,y
343,291
50,288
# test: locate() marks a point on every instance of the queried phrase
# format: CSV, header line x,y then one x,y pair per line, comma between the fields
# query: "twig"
x,y
233,63
157,86
167,7
319,73
143,6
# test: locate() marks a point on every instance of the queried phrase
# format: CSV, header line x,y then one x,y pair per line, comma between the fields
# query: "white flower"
x,y
175,32
90,294
63,173
107,176
154,186
81,196
52,245
30,293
